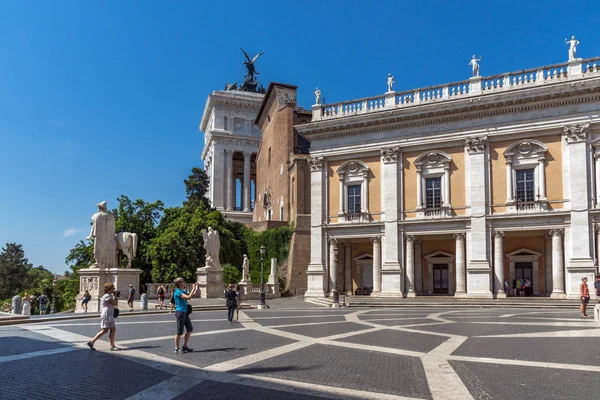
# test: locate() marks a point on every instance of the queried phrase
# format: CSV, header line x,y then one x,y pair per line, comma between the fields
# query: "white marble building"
x,y
231,142
454,188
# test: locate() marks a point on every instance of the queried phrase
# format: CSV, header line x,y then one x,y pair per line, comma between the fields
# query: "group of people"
x,y
521,287
29,303
179,304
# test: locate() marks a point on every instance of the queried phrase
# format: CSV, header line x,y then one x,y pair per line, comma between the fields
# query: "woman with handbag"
x,y
108,314
182,314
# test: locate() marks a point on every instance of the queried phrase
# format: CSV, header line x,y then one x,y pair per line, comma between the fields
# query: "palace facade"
x,y
455,188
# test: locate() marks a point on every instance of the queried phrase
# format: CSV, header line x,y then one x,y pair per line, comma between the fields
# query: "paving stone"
x,y
507,382
354,369
216,348
397,340
400,322
317,331
482,329
81,374
212,390
25,341
292,320
295,313
582,350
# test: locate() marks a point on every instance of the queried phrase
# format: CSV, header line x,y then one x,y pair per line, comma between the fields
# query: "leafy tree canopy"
x,y
14,269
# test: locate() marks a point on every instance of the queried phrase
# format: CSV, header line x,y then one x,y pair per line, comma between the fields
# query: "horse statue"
x,y
127,243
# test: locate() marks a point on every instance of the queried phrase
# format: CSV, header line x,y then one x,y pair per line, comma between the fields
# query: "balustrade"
x,y
491,84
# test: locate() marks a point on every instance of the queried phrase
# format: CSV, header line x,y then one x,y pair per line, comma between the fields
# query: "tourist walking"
x,y
85,300
26,304
238,294
161,292
130,297
584,292
231,302
182,314
506,286
43,304
108,313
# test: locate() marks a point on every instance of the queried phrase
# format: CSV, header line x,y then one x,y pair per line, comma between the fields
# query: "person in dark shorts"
x,y
584,293
43,303
161,292
130,297
182,314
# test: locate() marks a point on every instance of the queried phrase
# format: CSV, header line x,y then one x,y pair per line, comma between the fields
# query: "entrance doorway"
x,y
441,279
525,270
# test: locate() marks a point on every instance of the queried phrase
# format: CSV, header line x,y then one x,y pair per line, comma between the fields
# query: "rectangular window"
x,y
433,193
281,213
525,185
354,199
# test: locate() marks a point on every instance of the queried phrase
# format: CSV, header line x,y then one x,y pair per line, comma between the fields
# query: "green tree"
x,y
14,268
139,217
196,188
38,278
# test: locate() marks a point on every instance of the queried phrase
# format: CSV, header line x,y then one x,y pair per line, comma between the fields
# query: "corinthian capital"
x,y
576,133
476,145
390,155
316,163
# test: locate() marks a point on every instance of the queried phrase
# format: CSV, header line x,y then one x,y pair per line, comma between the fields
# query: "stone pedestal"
x,y
211,283
93,279
478,280
577,269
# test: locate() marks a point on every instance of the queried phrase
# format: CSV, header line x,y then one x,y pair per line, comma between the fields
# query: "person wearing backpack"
x,y
161,292
43,303
130,297
85,300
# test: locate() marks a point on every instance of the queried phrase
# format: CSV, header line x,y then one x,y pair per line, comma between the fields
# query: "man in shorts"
x,y
43,302
182,314
130,297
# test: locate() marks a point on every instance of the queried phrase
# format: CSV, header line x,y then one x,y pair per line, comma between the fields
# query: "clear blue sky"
x,y
103,98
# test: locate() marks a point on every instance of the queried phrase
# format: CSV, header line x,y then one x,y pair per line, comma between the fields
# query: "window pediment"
x,y
440,256
353,168
432,160
526,149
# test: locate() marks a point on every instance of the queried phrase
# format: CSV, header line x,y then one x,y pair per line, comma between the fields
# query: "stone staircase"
x,y
451,302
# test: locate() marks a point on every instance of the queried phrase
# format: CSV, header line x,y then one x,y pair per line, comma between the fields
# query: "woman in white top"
x,y
107,317
26,305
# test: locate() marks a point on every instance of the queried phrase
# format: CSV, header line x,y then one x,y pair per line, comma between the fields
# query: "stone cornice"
x,y
231,99
452,111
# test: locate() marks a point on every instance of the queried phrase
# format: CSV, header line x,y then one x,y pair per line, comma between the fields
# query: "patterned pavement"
x,y
312,353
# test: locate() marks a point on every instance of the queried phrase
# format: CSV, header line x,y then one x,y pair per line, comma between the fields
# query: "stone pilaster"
x,y
316,270
460,265
558,272
410,266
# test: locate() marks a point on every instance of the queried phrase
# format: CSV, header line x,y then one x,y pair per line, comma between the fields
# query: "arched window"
x,y
526,175
433,184
354,191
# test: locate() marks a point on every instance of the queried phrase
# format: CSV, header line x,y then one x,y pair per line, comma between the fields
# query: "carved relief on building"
x,y
90,284
390,155
316,163
576,133
476,145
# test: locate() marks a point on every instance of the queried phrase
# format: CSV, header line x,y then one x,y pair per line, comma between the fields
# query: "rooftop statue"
x,y
474,63
317,96
573,43
390,83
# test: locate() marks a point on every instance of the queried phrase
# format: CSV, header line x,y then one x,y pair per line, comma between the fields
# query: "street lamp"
x,y
262,304
54,292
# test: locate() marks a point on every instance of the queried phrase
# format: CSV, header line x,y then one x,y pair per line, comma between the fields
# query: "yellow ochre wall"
x,y
333,186
457,180
554,189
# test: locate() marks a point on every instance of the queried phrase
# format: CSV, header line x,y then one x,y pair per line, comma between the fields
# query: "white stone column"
x,y
580,239
418,268
348,268
246,201
460,265
542,177
410,266
499,264
315,273
376,265
479,273
509,182
229,180
333,263
391,272
446,186
419,189
597,180
365,202
547,265
558,271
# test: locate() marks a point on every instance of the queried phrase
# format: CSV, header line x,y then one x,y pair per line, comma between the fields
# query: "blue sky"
x,y
103,98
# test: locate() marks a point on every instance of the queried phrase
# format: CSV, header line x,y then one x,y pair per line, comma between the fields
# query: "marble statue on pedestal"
x,y
245,269
317,96
390,83
103,230
572,48
474,63
107,243
212,245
